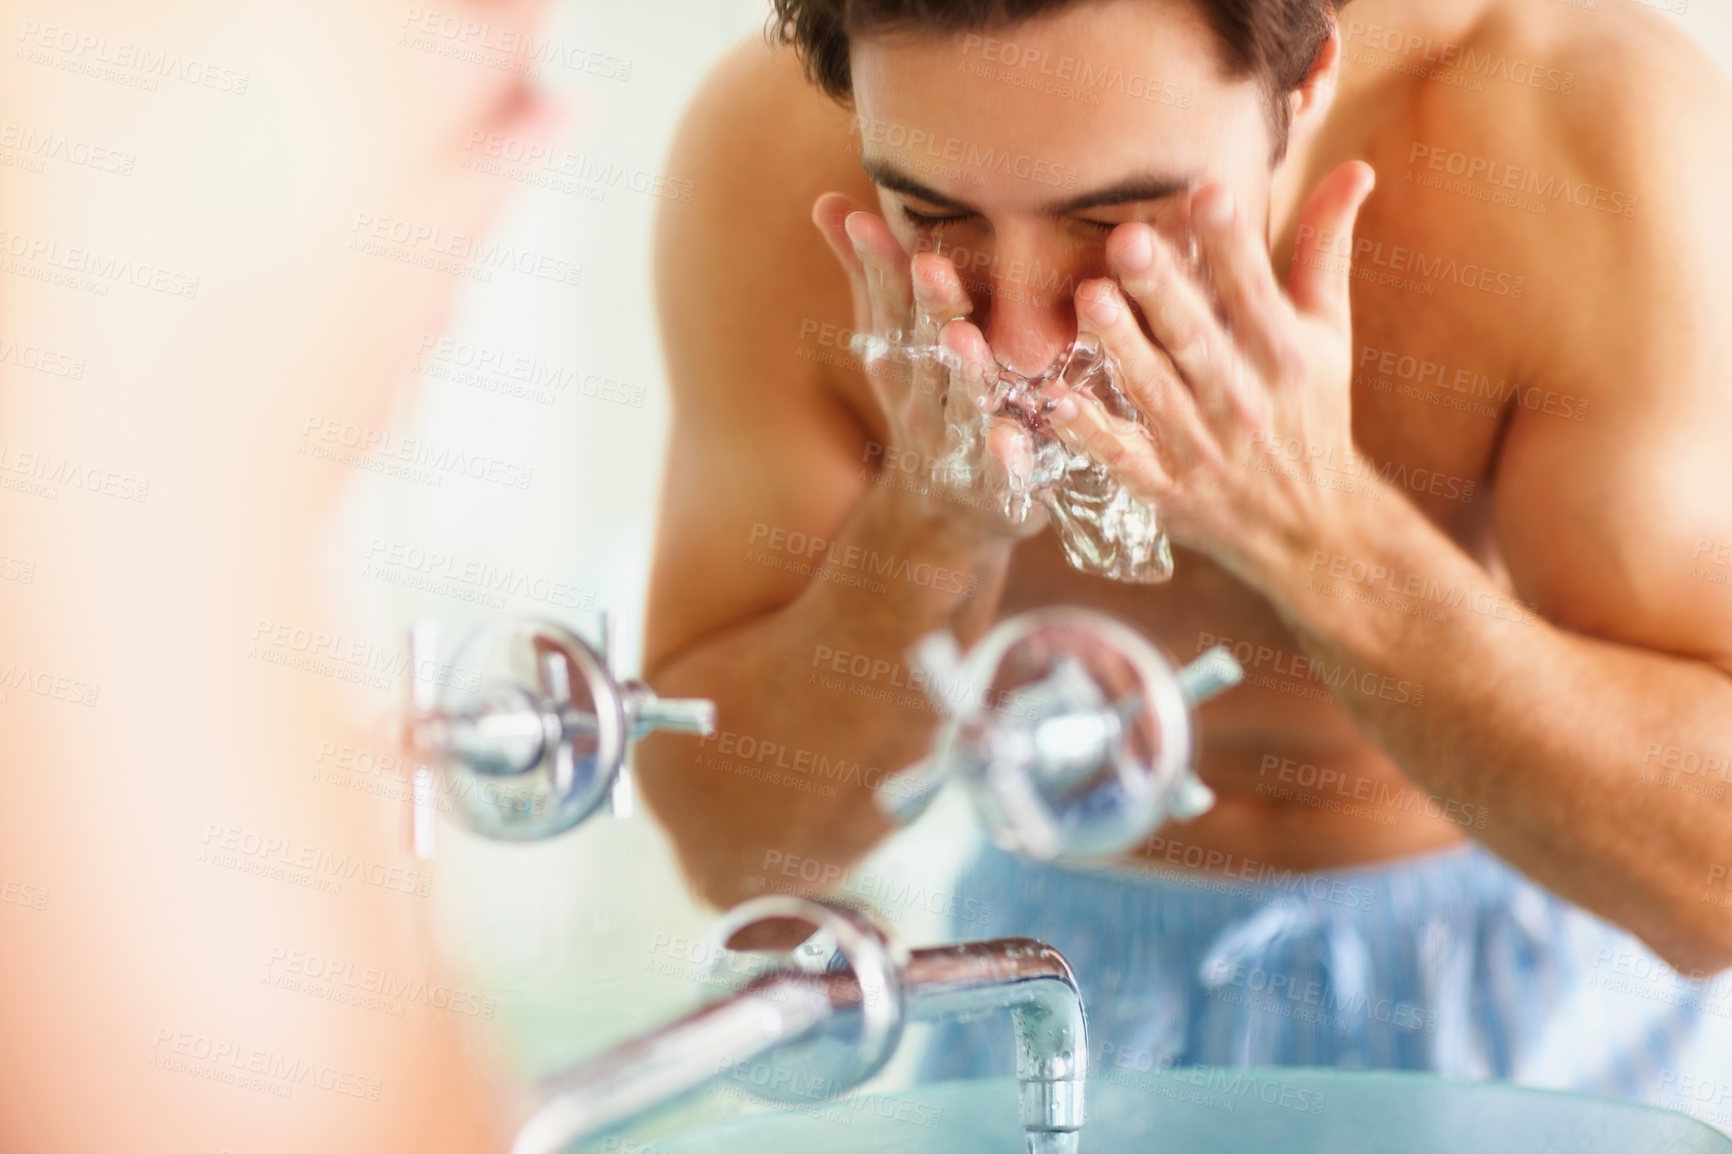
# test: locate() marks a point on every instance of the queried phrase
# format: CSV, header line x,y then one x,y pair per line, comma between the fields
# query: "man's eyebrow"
x,y
886,175
1143,186
1131,190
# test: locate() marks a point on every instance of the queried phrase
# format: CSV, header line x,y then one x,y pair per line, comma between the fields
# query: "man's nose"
x,y
1031,322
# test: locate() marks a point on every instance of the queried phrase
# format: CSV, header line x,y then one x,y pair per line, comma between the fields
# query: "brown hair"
x,y
1275,41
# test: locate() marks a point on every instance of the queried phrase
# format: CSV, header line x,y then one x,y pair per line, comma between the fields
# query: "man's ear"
x,y
1310,102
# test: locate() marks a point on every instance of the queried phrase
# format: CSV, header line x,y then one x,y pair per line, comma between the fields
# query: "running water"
x,y
1053,1142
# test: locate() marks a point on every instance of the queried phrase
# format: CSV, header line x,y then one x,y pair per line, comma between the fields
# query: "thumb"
x,y
829,213
1323,256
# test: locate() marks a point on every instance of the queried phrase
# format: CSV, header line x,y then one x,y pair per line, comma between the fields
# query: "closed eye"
x,y
930,220
937,220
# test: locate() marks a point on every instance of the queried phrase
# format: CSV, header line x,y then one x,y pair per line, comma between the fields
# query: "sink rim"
x,y
1319,1077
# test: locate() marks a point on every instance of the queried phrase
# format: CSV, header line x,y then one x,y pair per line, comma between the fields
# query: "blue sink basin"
x,y
1223,1111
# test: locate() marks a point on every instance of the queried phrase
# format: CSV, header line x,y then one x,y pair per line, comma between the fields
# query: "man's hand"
x,y
1249,435
922,303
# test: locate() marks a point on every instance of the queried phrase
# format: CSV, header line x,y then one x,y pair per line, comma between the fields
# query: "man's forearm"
x,y
1546,730
816,704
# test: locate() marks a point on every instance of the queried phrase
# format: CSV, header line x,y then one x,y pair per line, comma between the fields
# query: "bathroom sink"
x,y
1206,1110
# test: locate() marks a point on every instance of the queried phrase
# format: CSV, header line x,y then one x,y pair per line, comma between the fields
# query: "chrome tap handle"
x,y
650,714
622,794
1207,677
1210,675
1074,735
621,800
528,727
908,794
556,684
940,661
645,714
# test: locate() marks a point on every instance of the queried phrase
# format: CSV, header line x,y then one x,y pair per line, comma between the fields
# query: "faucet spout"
x,y
1035,984
884,987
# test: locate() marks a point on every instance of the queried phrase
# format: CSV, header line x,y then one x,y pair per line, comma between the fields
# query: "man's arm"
x,y
781,586
1544,724
1570,730
1560,735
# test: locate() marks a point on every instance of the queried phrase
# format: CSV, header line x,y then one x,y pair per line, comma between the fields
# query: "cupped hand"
x,y
1248,436
921,303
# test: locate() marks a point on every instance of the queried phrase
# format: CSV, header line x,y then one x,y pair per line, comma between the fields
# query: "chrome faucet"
x,y
529,725
780,1020
1072,733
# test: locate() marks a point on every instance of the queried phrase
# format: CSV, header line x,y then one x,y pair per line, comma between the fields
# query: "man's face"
x,y
1017,151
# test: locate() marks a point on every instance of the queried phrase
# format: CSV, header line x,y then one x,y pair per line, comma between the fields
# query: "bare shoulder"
x,y
752,306
1606,192
1630,166
741,270
1632,87
1575,152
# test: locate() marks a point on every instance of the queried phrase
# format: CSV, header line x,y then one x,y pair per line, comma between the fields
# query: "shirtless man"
x,y
1460,522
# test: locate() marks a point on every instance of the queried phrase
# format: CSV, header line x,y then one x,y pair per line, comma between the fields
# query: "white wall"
x,y
1709,21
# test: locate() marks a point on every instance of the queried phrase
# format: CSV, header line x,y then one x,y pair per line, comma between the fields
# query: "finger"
x,y
1006,483
965,339
1006,458
939,297
1008,467
887,278
1180,319
967,359
828,214
1124,447
1147,376
1238,259
1322,276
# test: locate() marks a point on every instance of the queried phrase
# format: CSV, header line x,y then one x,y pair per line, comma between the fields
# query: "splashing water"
x,y
1104,528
